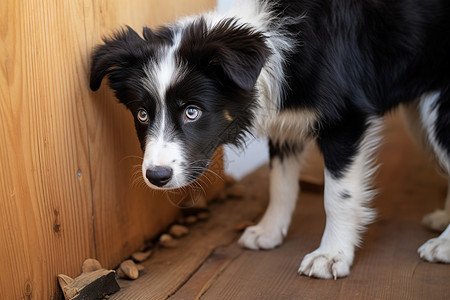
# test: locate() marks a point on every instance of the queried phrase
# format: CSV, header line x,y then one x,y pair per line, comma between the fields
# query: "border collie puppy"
x,y
295,71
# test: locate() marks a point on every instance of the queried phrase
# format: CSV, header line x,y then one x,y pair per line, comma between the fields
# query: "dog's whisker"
x,y
131,157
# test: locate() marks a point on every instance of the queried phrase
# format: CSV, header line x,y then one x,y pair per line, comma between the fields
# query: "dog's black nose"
x,y
158,175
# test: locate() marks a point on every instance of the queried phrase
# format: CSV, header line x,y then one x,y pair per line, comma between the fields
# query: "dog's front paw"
x,y
325,265
436,250
258,237
437,220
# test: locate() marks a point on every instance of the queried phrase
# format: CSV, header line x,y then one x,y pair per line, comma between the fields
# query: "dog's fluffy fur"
x,y
295,71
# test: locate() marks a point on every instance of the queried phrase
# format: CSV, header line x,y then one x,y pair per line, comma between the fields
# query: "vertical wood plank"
x,y
46,208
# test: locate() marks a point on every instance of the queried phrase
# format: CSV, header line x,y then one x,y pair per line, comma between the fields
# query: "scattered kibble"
x,y
189,220
166,240
141,256
178,230
129,269
119,273
90,265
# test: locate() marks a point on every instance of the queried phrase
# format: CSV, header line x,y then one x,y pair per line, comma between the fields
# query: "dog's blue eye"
x,y
192,114
142,116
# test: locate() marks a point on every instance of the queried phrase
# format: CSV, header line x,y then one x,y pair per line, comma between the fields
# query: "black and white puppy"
x,y
295,71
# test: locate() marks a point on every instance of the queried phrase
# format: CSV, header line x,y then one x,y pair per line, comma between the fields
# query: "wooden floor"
x,y
208,264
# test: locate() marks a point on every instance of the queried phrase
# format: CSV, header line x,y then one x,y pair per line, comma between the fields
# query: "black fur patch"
x,y
345,194
442,127
339,140
283,150
234,53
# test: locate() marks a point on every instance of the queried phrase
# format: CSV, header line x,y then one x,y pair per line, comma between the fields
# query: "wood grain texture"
x,y
46,208
66,154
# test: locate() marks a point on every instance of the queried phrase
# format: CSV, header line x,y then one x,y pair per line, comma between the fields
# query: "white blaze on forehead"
x,y
161,149
165,73
163,70
160,73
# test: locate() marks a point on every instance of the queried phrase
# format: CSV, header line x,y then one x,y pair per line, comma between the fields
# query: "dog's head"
x,y
190,88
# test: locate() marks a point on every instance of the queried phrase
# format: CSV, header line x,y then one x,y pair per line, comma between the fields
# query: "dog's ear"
x,y
241,53
115,58
237,50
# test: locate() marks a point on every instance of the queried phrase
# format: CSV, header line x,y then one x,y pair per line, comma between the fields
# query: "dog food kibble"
x,y
129,269
166,240
178,230
119,273
190,220
90,265
203,216
141,256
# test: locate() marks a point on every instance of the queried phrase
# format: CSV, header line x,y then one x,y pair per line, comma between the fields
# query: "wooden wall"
x,y
69,158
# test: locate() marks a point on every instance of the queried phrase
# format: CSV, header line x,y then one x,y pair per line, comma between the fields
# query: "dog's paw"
x,y
258,237
437,220
325,265
436,250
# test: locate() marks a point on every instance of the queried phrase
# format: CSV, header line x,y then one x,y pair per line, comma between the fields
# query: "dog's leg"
x,y
347,194
284,187
435,120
